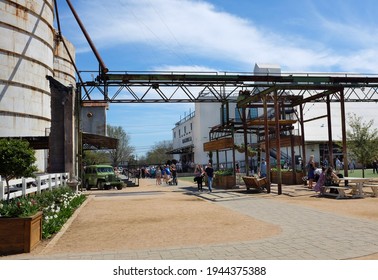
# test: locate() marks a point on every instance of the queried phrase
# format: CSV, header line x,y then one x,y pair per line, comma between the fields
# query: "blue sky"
x,y
223,35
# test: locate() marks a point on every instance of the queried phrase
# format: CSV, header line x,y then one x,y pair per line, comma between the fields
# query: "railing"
x,y
25,186
131,176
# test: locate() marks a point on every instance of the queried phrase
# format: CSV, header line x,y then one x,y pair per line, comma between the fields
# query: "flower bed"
x,y
56,206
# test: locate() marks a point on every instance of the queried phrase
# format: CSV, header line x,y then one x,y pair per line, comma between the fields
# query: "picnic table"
x,y
356,183
373,184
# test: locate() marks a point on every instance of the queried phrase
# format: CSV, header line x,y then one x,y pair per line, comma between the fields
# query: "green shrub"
x,y
224,172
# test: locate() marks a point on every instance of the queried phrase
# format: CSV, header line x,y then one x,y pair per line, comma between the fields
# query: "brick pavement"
x,y
307,234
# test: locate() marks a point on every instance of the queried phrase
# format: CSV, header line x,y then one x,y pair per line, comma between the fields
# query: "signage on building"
x,y
187,139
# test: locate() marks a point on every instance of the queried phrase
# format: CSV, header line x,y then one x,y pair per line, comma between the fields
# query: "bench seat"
x,y
255,183
341,191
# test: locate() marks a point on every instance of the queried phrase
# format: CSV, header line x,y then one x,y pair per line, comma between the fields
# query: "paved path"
x,y
306,234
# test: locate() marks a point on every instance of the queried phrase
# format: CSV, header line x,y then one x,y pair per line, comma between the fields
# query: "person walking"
x,y
325,162
167,173
263,168
174,174
158,175
210,174
338,164
375,166
311,171
198,176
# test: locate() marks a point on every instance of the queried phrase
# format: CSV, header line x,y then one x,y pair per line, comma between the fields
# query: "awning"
x,y
182,150
98,142
35,142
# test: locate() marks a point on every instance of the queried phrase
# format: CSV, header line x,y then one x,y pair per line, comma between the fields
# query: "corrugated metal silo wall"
x,y
26,58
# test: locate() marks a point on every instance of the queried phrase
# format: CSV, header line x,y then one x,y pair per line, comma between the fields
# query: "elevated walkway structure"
x,y
181,87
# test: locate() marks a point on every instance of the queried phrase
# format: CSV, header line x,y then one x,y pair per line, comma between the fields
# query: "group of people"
x,y
327,176
167,173
200,174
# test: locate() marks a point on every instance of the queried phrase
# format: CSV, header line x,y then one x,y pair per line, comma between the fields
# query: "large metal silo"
x,y
26,58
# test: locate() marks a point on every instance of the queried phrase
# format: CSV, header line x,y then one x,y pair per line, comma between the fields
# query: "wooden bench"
x,y
255,183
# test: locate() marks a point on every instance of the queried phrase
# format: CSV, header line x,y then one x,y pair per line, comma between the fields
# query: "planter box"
x,y
287,177
224,182
20,235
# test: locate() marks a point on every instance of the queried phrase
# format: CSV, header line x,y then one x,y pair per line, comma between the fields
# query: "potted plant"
x,y
250,151
288,176
20,225
224,179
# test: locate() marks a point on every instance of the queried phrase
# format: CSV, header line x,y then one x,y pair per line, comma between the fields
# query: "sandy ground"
x,y
151,216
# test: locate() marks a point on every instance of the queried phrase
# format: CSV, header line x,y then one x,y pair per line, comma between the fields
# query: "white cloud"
x,y
198,29
186,68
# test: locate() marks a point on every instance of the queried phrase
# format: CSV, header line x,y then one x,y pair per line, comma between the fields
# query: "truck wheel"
x,y
119,187
98,185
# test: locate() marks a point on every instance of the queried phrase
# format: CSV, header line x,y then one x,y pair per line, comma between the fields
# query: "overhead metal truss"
x,y
191,87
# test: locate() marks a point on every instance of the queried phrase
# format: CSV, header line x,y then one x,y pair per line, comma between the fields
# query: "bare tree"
x,y
123,151
158,153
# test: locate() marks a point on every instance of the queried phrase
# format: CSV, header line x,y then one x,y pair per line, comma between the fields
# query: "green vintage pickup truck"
x,y
101,177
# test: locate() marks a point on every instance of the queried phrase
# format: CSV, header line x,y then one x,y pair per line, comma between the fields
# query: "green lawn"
x,y
189,179
358,173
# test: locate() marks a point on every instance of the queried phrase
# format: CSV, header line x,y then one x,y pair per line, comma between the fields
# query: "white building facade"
x,y
191,132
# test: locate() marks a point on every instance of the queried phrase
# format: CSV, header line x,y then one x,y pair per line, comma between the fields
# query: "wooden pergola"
x,y
276,98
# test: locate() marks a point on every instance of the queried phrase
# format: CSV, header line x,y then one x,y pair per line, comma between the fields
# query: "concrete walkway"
x,y
307,234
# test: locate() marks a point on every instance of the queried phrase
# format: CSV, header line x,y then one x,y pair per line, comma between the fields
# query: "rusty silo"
x,y
28,55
